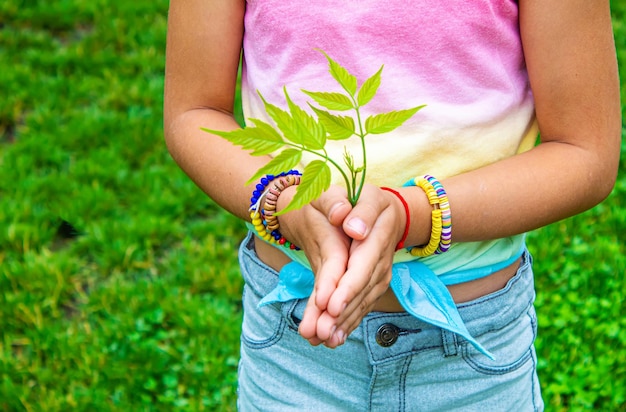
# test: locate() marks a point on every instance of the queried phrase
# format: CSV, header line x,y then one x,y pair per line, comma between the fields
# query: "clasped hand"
x,y
350,250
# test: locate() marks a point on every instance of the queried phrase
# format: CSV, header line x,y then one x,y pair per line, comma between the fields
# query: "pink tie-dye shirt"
x,y
463,59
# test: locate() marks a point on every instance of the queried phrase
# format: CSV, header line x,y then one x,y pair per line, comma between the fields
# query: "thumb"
x,y
334,205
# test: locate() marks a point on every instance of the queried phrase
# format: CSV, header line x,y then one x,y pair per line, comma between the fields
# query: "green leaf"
x,y
369,88
262,139
343,77
266,131
315,180
283,121
332,101
312,133
286,160
338,127
386,122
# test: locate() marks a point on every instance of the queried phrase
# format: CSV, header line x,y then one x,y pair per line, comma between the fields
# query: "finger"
x,y
354,314
329,273
326,326
362,302
334,205
366,268
365,280
359,222
350,318
341,329
308,325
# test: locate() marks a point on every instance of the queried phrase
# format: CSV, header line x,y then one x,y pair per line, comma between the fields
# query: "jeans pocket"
x,y
262,326
511,345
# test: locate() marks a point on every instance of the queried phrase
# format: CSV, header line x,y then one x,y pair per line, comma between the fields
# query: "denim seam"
x,y
397,355
533,323
532,383
275,337
461,342
403,354
266,343
499,370
288,314
402,384
253,260
372,386
450,343
490,330
506,369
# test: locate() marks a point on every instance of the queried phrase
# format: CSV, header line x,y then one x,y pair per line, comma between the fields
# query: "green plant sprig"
x,y
297,131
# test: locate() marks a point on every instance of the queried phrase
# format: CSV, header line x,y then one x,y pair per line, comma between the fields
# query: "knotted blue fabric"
x,y
419,290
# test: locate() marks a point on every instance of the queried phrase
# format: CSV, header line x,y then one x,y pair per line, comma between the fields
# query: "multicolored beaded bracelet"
x,y
263,219
446,216
260,187
441,232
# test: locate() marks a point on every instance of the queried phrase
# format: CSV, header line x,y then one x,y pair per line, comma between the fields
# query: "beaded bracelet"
x,y
263,219
441,232
260,187
446,216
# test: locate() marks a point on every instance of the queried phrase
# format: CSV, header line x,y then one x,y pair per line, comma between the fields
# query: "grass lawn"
x,y
119,286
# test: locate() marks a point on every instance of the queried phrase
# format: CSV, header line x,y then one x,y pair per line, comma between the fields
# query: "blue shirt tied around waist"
x,y
420,291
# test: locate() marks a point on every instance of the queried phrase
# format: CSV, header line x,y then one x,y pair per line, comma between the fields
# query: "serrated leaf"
x,y
338,127
267,131
283,120
261,140
311,132
386,122
341,74
286,160
331,101
369,88
315,180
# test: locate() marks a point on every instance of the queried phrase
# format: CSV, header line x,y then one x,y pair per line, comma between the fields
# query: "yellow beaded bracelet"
x,y
257,222
437,223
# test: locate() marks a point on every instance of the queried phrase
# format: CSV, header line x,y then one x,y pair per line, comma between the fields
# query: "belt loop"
x,y
450,343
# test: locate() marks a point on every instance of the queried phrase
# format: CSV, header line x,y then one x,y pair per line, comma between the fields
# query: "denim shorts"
x,y
392,361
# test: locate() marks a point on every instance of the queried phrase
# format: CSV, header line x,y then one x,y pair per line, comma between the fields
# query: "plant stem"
x,y
361,135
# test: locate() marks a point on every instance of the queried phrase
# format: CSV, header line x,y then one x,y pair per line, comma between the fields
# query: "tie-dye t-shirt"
x,y
463,59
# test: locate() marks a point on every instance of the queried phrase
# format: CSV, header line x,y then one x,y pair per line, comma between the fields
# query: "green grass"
x,y
139,307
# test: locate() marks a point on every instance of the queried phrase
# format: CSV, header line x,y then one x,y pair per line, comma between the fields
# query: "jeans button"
x,y
387,334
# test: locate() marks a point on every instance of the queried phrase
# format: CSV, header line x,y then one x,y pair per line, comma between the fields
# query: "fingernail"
x,y
341,336
332,332
357,225
332,210
342,309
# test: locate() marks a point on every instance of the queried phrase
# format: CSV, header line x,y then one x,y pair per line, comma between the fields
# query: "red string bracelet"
x,y
408,217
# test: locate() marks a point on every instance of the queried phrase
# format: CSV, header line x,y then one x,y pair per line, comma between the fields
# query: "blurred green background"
x,y
119,286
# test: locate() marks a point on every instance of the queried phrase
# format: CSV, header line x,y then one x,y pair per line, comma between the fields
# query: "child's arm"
x,y
203,50
202,57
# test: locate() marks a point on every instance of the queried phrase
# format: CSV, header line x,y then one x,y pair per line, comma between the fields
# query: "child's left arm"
x,y
570,55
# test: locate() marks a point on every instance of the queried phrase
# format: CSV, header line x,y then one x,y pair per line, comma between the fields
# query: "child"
x,y
447,325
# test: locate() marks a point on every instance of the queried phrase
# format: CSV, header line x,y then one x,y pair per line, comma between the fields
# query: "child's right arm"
x,y
204,43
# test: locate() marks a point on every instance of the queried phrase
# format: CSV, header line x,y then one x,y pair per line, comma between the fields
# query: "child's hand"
x,y
316,228
375,224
